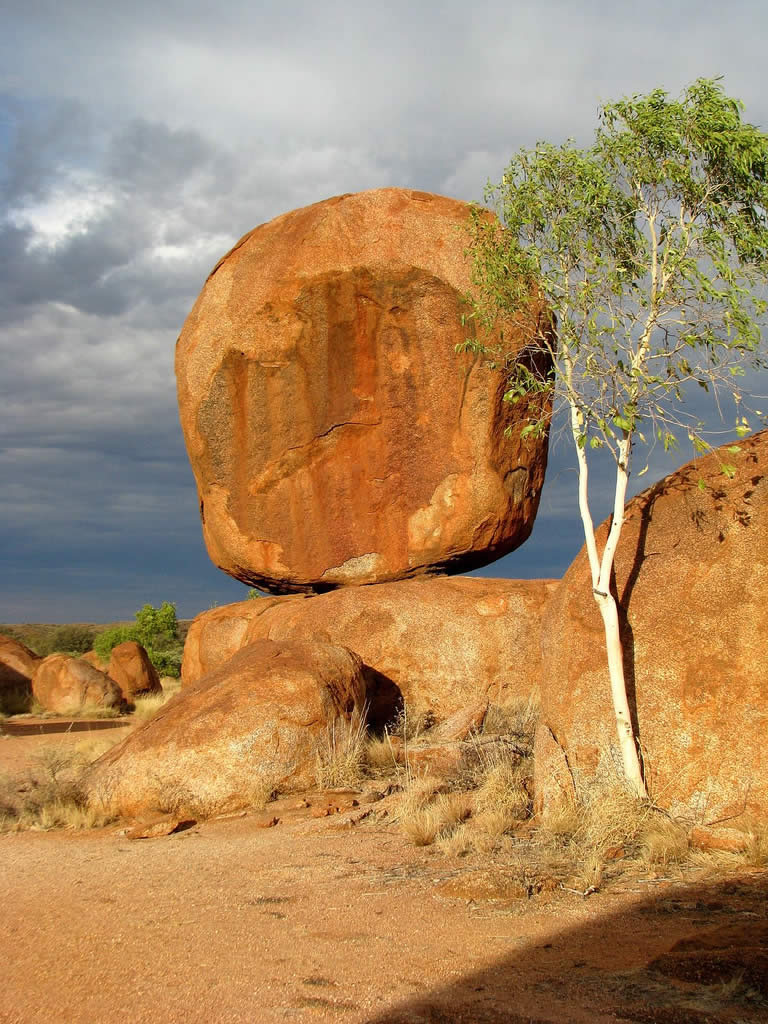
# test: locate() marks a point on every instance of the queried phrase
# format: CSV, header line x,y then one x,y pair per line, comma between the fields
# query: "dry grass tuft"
x,y
411,724
516,720
52,793
756,852
147,707
437,819
380,756
341,753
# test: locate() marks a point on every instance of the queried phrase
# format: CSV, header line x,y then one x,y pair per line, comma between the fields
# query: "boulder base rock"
x,y
17,665
68,686
335,436
440,644
227,741
692,582
134,673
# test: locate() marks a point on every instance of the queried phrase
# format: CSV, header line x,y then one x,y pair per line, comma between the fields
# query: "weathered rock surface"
x,y
134,673
692,582
96,660
442,643
226,741
68,685
335,435
17,664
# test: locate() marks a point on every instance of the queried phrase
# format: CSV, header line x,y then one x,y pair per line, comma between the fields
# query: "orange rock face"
x,y
70,685
134,673
335,435
440,644
17,664
239,732
692,581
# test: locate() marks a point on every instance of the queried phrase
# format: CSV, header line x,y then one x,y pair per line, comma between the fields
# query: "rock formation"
x,y
335,436
251,726
17,665
68,686
134,673
692,582
441,644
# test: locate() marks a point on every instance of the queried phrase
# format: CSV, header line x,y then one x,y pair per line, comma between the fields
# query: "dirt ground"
x,y
339,918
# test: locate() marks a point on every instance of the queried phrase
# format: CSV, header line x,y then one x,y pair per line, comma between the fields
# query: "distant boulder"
x,y
69,686
692,584
134,673
252,725
17,666
96,660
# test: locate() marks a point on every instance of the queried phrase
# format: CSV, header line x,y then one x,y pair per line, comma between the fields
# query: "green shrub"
x,y
111,637
156,629
70,640
167,662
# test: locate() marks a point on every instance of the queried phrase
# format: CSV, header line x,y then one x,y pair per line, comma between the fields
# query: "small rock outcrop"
x,y
691,578
440,644
17,665
251,726
335,436
134,673
68,686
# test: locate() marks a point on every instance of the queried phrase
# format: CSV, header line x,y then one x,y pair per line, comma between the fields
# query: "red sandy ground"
x,y
312,920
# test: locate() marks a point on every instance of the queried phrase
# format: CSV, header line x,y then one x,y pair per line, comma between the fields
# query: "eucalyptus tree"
x,y
651,249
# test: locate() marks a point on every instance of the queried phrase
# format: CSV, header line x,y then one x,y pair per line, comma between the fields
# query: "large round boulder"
x,y
17,665
253,725
439,644
68,686
134,673
692,584
335,435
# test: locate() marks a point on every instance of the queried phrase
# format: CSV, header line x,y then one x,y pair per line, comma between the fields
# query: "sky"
x,y
139,141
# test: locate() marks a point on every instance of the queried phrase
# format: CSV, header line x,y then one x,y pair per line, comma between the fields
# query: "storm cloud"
x,y
139,142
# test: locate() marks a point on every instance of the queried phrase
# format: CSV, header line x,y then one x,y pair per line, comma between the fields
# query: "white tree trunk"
x,y
601,589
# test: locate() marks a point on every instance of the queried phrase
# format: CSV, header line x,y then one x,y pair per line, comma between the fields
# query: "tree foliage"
x,y
156,629
651,249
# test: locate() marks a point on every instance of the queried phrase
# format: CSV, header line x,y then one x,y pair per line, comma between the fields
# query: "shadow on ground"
x,y
690,954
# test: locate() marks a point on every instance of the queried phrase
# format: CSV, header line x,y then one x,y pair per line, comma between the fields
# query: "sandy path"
x,y
231,922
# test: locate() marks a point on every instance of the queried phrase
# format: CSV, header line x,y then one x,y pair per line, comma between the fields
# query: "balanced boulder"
x,y
134,673
255,724
68,685
691,578
335,435
17,665
439,644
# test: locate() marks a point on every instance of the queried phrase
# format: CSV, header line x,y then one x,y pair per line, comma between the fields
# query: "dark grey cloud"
x,y
138,142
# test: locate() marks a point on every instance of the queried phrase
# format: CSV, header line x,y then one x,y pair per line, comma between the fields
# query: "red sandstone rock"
x,y
692,580
461,723
335,435
96,660
70,685
228,740
134,673
17,665
442,644
728,839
